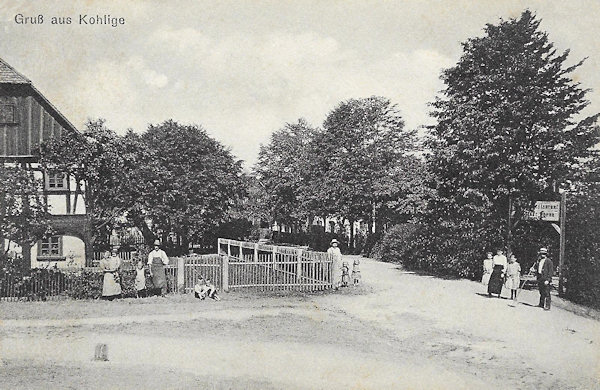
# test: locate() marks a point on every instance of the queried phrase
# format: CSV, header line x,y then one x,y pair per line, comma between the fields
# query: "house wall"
x,y
33,123
73,252
57,200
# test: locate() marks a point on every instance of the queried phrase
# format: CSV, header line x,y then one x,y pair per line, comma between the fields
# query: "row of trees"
x,y
509,131
359,166
172,178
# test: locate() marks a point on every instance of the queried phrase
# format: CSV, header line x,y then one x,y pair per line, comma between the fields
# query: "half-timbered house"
x,y
27,119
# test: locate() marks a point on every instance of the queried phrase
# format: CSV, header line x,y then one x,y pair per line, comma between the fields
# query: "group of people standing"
x,y
341,269
498,271
111,264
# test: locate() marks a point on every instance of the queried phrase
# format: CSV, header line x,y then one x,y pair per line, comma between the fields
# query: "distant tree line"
x,y
359,166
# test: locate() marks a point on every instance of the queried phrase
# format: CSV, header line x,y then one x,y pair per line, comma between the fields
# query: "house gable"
x,y
27,118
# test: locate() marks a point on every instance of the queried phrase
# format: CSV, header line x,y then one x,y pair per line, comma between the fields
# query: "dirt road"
x,y
398,330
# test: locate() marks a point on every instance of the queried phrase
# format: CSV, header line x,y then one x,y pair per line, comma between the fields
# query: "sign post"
x,y
561,258
553,211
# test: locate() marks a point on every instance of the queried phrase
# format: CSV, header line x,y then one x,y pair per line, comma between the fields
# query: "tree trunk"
x,y
185,245
89,238
141,224
351,244
26,248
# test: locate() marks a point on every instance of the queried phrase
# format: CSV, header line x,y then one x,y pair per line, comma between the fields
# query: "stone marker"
x,y
101,352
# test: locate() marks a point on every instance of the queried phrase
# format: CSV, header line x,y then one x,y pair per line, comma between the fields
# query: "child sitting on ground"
x,y
345,274
356,272
140,280
204,288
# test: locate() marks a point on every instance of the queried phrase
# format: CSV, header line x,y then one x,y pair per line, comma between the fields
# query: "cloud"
x,y
243,87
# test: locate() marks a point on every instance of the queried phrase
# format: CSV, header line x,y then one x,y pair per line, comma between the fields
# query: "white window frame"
x,y
52,181
51,248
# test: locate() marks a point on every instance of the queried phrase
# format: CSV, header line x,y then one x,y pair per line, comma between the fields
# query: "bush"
x,y
582,258
395,243
85,285
440,250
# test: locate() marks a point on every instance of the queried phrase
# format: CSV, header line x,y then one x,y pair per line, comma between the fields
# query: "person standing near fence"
x,y
157,259
335,256
111,284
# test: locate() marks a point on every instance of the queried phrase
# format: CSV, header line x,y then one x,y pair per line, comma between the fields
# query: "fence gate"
x,y
270,267
207,266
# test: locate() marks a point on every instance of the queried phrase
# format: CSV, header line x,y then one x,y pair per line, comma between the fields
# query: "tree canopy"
x,y
508,125
195,183
355,168
283,172
23,210
364,142
508,121
105,168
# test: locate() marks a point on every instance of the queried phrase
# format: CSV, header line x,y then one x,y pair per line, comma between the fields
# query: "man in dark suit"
x,y
544,269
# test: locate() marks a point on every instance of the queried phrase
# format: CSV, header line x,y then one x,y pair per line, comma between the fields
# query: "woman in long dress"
x,y
111,285
157,259
335,256
496,278
488,267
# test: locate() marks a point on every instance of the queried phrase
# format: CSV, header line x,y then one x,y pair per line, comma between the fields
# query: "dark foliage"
x,y
506,129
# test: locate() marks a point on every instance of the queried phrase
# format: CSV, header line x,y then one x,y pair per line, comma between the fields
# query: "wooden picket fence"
x,y
43,285
55,284
208,266
262,267
238,265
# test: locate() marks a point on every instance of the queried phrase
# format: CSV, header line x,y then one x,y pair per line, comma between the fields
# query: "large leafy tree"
x,y
105,167
23,211
282,171
362,147
508,125
195,184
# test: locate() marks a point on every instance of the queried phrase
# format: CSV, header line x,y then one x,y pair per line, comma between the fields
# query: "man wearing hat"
x,y
335,256
157,259
543,270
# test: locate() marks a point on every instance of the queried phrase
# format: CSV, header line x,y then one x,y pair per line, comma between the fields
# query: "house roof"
x,y
8,75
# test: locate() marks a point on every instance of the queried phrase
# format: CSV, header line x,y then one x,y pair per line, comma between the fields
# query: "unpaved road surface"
x,y
398,330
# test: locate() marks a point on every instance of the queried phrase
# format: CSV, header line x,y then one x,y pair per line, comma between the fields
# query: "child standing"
x,y
345,274
140,280
356,272
513,276
488,267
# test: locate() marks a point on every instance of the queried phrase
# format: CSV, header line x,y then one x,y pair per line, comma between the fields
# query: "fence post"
x,y
299,266
274,259
219,246
241,252
225,276
180,274
256,252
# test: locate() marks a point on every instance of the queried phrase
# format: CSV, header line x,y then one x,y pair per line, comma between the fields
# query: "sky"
x,y
243,69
